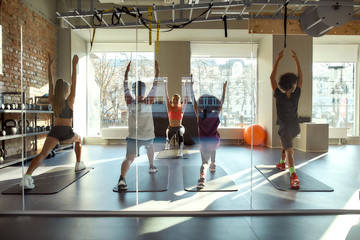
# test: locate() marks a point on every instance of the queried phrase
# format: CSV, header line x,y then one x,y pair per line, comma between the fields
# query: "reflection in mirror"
x,y
207,109
140,123
175,110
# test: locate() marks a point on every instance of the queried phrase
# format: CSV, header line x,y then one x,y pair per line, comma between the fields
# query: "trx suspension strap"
x,y
157,36
150,19
92,38
285,22
225,25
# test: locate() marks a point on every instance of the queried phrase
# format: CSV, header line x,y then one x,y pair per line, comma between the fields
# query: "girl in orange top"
x,y
175,114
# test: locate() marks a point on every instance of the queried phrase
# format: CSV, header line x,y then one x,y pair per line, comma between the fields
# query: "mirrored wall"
x,y
191,122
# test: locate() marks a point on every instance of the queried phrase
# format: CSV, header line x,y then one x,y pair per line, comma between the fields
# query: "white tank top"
x,y
144,120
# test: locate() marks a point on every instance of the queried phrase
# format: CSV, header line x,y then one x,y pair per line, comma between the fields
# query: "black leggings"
x,y
171,131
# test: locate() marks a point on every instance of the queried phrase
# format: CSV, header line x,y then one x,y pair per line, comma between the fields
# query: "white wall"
x,y
78,46
265,110
174,63
63,64
44,8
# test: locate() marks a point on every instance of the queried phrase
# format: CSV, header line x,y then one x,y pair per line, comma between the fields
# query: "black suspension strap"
x,y
225,25
115,19
184,24
97,17
285,22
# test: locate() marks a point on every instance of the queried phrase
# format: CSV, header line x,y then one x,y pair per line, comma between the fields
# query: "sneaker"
x,y
180,154
281,166
79,166
122,184
167,145
28,182
201,183
153,169
294,181
212,168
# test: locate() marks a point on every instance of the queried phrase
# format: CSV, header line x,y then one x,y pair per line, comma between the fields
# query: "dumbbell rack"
x,y
28,155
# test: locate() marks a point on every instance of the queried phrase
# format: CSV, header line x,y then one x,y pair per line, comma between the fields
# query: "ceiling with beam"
x,y
170,14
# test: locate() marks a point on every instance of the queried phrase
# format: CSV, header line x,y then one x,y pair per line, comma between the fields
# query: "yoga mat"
x,y
217,181
147,182
281,180
50,182
171,154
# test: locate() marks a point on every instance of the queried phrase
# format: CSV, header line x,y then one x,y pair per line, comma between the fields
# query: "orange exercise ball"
x,y
258,134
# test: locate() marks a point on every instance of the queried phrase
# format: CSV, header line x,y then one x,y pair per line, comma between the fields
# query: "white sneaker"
x,y
180,154
122,185
153,169
167,146
212,167
79,166
28,182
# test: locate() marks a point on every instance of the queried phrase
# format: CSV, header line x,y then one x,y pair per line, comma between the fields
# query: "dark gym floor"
x,y
337,168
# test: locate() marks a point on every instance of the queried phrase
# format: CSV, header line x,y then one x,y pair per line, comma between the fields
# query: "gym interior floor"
x,y
89,209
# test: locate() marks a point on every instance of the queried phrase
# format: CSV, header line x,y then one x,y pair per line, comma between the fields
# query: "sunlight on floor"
x,y
153,225
197,202
342,224
318,157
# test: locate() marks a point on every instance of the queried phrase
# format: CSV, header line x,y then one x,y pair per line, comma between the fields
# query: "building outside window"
x,y
213,64
334,86
334,94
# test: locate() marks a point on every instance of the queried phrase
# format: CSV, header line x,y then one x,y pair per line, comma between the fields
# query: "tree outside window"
x,y
209,74
334,94
109,69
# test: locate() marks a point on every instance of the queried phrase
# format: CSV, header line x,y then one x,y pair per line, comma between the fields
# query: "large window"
x,y
209,75
334,94
210,72
109,69
334,91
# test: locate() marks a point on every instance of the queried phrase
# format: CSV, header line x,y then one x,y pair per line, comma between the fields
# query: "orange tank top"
x,y
175,115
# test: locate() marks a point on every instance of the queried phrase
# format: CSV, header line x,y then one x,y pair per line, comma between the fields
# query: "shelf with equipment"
x,y
14,159
13,129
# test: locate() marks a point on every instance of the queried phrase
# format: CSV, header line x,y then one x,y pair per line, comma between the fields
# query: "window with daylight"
x,y
108,70
213,64
334,89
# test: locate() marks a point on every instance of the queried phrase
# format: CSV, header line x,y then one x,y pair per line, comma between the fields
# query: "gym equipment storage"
x,y
12,129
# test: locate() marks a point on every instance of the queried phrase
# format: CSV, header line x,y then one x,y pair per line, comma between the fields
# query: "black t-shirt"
x,y
287,108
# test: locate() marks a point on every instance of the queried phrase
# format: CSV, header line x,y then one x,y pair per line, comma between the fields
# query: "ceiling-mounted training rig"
x,y
179,15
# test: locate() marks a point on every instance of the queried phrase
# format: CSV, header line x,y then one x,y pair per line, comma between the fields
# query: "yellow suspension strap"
x,y
92,38
157,36
150,19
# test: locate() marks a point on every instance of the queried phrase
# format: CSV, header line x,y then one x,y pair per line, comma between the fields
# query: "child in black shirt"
x,y
287,114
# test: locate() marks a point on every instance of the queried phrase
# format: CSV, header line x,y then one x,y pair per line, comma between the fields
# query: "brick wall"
x,y
39,38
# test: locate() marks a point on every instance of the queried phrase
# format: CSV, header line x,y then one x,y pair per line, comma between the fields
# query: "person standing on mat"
x,y
175,113
62,100
141,124
287,114
207,110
